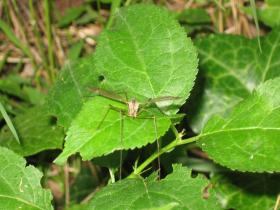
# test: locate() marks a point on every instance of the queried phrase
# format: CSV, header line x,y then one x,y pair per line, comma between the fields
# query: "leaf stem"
x,y
176,142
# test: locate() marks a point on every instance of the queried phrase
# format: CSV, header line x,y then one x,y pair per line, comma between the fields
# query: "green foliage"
x,y
12,37
144,55
270,14
154,55
9,122
246,191
93,137
194,16
68,94
144,82
20,185
232,67
247,139
71,15
178,190
37,132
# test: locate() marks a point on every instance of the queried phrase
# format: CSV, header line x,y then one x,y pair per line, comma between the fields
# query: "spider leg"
x,y
121,138
157,140
121,111
158,144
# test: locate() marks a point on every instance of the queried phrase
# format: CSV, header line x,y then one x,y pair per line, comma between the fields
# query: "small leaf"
x,y
177,190
247,191
247,140
36,130
20,186
194,16
75,50
232,67
9,122
71,14
93,133
270,13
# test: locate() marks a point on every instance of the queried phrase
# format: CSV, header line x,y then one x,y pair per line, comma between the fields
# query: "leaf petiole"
x,y
176,142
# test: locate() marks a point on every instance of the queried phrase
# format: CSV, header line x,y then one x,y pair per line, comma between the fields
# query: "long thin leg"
x,y
110,107
158,144
121,137
104,117
157,140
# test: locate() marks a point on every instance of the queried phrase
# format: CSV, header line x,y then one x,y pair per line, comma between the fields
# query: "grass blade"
x,y
9,122
254,11
12,37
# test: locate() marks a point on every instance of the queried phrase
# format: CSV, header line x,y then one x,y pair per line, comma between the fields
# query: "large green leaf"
x,y
143,57
20,186
247,191
248,139
146,57
37,132
232,67
177,190
93,133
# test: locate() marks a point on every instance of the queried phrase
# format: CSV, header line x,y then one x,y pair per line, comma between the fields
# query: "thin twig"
x,y
220,17
66,185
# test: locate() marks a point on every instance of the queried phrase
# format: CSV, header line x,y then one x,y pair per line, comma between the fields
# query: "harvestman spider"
x,y
133,110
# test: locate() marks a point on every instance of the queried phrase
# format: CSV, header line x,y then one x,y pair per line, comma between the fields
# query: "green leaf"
x,y
75,50
9,122
151,53
177,189
93,137
37,132
68,94
232,67
12,85
270,13
71,15
20,186
247,140
247,191
194,16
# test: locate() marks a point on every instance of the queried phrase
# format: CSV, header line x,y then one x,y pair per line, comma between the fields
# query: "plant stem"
x,y
176,142
35,29
50,40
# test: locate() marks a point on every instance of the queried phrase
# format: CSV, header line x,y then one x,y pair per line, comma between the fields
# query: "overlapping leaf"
x,y
248,139
66,97
144,58
178,190
232,67
270,13
247,191
37,132
20,186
